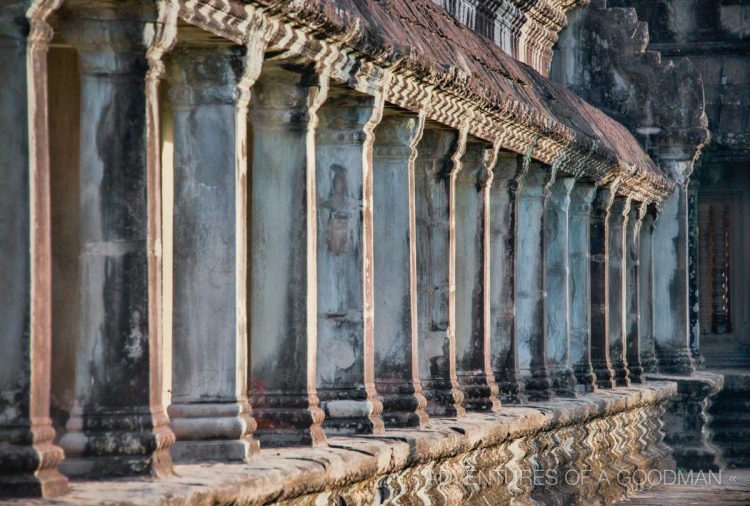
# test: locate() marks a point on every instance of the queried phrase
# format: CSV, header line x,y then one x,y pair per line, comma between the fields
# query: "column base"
x,y
444,398
46,484
205,430
636,373
648,362
605,375
480,392
511,388
585,378
403,403
30,470
351,411
564,382
675,361
622,374
538,386
291,419
111,443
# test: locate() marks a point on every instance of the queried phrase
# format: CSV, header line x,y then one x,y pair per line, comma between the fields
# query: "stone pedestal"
x,y
473,368
283,276
345,354
600,311
529,283
670,246
579,283
28,459
437,347
616,232
556,286
503,221
117,426
633,292
394,245
646,290
210,413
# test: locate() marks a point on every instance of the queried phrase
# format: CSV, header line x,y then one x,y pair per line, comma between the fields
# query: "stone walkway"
x,y
731,487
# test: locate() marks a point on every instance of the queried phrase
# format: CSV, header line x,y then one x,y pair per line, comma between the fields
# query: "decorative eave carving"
x,y
603,58
415,42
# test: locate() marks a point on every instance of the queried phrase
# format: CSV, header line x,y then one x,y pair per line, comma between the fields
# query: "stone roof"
x,y
493,92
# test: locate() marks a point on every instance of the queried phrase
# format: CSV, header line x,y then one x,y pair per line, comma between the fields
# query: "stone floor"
x,y
731,487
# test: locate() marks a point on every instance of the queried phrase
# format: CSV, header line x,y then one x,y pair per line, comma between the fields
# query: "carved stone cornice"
x,y
489,88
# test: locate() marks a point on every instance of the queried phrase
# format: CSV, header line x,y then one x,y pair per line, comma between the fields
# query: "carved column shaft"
x,y
529,283
504,348
117,425
437,351
210,413
632,291
345,356
671,318
28,459
283,277
580,284
600,314
646,289
395,283
616,285
471,330
693,275
556,283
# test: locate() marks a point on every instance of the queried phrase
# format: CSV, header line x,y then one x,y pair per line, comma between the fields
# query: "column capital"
x,y
581,198
559,194
396,134
203,75
621,206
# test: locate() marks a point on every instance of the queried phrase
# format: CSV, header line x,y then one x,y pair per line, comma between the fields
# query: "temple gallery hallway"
x,y
733,487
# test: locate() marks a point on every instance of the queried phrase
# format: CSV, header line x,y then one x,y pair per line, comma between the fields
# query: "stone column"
x,y
632,291
346,354
530,266
600,314
28,459
693,274
210,413
616,232
472,329
117,426
504,347
556,286
394,245
580,284
646,289
437,356
283,277
670,246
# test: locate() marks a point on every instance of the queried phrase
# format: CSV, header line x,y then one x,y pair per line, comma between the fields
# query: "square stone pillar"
x,y
616,285
118,425
472,329
210,413
556,286
28,458
529,284
346,354
395,249
600,293
633,292
579,283
503,222
283,249
437,356
671,286
646,290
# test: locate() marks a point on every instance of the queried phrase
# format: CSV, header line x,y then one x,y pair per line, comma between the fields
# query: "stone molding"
x,y
359,55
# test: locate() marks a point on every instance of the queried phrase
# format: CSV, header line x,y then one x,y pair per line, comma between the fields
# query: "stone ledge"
x,y
287,473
